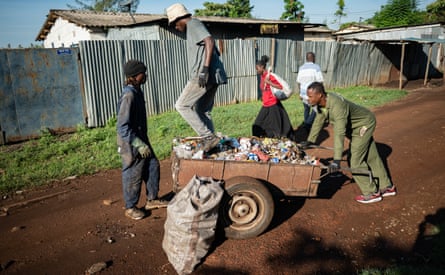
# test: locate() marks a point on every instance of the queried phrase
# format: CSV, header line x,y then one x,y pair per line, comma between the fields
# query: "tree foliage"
x,y
341,11
240,8
104,5
293,11
212,9
232,8
436,11
398,13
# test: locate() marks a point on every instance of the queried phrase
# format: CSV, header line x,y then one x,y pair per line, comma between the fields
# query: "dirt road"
x,y
66,228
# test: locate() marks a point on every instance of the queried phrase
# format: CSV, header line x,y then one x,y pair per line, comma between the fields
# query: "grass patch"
x,y
87,151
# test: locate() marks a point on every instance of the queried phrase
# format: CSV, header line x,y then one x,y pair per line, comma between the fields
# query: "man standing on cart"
x,y
206,73
358,124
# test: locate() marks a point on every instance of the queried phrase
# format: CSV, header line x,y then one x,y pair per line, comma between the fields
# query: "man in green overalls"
x,y
357,124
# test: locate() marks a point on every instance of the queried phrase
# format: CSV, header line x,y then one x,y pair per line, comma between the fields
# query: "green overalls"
x,y
358,124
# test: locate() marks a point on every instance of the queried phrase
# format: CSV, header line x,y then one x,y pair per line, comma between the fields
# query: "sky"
x,y
21,20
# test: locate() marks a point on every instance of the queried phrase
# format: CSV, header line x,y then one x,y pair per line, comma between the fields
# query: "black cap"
x,y
134,67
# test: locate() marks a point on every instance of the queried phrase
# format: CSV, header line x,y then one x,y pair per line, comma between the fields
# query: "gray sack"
x,y
189,229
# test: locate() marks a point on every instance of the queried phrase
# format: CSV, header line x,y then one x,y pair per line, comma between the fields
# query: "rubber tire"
x,y
249,197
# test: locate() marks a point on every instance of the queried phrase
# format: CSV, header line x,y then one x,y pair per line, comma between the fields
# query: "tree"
x,y
212,9
239,8
104,5
293,11
436,11
341,11
398,13
232,8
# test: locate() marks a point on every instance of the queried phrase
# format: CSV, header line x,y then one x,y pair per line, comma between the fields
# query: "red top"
x,y
267,96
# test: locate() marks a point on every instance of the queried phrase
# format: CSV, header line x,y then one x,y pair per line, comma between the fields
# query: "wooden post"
x,y
2,136
428,64
272,54
402,57
442,60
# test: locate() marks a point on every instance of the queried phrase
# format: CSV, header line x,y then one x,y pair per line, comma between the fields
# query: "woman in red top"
x,y
272,120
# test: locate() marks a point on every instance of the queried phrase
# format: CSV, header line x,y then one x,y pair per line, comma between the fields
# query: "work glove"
x,y
142,148
203,76
305,145
334,166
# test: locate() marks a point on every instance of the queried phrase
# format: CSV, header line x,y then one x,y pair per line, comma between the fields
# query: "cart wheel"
x,y
247,209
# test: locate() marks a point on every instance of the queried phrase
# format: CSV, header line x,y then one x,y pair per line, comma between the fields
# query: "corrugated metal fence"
x,y
46,83
167,69
167,74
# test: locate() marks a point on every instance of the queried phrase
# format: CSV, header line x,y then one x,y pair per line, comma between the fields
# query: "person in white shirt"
x,y
307,73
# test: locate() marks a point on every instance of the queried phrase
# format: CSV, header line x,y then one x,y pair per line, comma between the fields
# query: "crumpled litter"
x,y
253,149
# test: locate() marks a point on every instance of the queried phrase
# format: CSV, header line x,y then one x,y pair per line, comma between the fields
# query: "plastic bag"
x,y
281,94
189,229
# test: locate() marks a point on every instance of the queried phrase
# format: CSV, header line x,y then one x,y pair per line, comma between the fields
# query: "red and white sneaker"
x,y
389,191
369,198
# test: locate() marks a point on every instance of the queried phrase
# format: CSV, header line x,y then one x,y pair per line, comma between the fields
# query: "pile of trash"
x,y
245,149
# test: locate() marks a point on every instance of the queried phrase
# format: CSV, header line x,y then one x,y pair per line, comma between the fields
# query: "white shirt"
x,y
307,73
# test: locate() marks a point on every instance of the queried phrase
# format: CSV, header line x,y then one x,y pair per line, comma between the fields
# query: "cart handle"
x,y
352,170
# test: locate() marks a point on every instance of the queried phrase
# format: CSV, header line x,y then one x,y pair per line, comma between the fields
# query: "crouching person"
x,y
356,123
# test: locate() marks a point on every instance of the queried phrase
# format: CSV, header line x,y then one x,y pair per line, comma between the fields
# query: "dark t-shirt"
x,y
196,33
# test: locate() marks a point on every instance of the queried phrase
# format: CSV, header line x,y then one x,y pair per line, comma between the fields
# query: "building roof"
x,y
425,40
92,19
355,28
421,32
318,29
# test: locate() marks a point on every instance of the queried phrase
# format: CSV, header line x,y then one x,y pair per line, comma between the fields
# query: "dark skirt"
x,y
273,122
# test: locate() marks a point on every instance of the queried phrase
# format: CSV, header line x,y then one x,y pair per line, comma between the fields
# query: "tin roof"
x,y
421,32
92,19
102,19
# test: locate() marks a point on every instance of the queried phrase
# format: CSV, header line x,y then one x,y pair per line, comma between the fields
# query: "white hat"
x,y
176,11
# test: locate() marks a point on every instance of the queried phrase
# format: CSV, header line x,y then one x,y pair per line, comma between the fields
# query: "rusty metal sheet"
x,y
40,91
190,167
291,179
252,169
295,179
